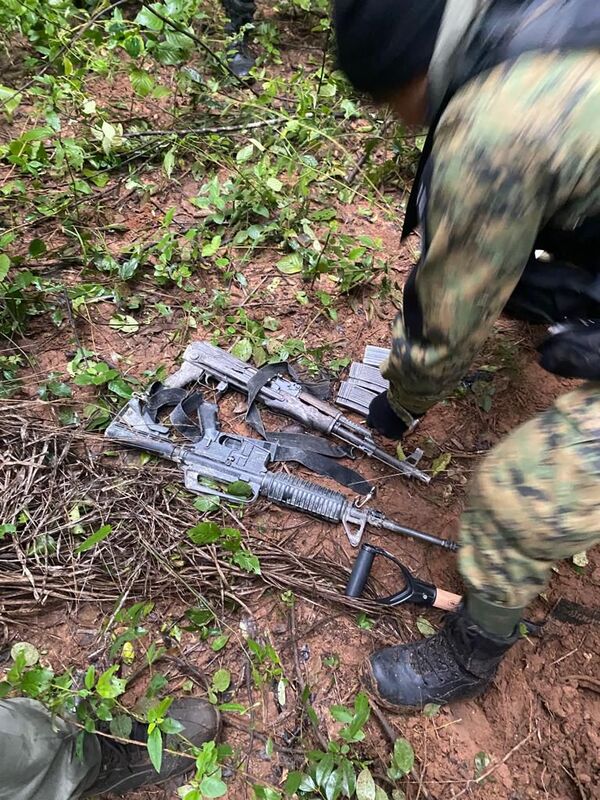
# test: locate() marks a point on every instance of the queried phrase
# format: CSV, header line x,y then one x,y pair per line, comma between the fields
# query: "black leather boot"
x,y
457,663
126,767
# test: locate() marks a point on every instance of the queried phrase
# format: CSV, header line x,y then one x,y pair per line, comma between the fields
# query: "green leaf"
x,y
270,324
205,533
211,786
36,681
27,652
210,248
9,99
248,562
134,45
155,748
4,266
324,769
482,762
90,678
403,757
242,349
36,248
266,793
348,778
94,539
341,714
194,794
365,786
380,794
234,708
440,464
147,19
171,726
121,726
169,162
425,627
157,682
290,265
240,489
207,504
274,184
142,82
245,154
292,783
108,686
36,135
362,709
363,622
219,643
6,528
221,680
431,710
124,323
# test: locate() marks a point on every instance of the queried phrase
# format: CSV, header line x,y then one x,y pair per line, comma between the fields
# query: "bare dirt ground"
x,y
539,725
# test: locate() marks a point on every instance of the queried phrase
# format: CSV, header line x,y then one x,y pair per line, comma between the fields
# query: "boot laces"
x,y
437,654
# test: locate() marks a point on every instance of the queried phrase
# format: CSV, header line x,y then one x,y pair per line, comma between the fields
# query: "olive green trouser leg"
x,y
535,500
37,754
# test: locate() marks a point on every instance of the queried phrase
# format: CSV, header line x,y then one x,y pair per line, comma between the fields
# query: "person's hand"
x,y
384,419
573,350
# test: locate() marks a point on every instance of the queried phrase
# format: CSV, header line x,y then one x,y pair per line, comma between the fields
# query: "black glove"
x,y
384,419
573,350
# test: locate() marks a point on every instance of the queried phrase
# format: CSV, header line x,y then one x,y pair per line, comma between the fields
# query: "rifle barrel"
x,y
429,538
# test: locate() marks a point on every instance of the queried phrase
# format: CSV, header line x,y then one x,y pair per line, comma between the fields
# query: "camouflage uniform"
x,y
518,149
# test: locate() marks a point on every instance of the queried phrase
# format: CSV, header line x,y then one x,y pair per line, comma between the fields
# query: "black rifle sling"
x,y
182,420
285,447
160,397
314,452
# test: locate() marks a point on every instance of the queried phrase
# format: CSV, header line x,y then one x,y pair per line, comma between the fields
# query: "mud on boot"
x,y
457,663
127,766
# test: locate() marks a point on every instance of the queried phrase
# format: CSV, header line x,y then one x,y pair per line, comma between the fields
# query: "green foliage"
x,y
353,719
230,542
340,772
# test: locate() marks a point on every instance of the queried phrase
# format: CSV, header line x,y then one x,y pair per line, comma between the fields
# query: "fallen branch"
x,y
242,126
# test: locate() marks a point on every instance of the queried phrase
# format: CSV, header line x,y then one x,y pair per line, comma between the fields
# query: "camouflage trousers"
x,y
535,500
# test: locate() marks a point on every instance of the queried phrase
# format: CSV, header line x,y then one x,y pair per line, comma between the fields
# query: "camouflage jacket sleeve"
x,y
506,158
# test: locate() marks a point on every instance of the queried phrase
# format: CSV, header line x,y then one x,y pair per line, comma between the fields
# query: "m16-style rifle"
x,y
213,460
203,360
